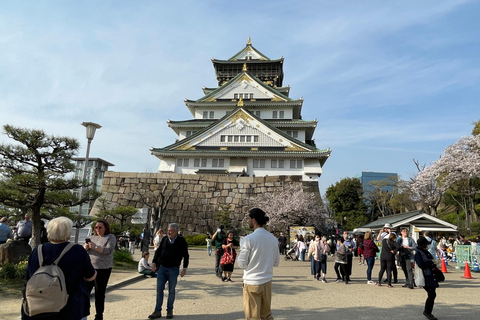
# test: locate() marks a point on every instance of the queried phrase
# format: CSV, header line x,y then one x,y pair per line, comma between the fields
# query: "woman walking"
x,y
387,257
341,261
321,251
370,250
424,260
100,248
229,246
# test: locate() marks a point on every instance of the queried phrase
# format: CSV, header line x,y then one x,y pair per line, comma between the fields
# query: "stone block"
x,y
244,179
226,179
14,252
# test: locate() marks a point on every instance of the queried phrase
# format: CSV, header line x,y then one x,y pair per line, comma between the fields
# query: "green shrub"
x,y
122,255
196,240
13,271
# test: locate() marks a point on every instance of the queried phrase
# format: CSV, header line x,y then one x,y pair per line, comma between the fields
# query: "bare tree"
x,y
157,201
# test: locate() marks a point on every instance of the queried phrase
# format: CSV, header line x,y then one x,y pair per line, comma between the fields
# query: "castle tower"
x,y
248,125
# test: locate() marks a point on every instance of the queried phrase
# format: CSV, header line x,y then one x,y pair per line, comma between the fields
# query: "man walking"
x,y
166,261
350,248
24,229
282,243
407,245
258,255
218,238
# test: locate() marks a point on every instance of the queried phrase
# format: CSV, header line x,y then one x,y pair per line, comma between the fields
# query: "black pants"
x,y
342,270
218,266
100,284
348,266
386,265
430,299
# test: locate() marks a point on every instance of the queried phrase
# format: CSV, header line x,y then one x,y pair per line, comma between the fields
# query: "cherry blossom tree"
x,y
290,205
459,163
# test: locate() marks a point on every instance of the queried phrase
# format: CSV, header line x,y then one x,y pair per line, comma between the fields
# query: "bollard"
x,y
475,265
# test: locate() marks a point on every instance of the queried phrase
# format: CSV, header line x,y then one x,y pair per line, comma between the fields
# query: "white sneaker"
x,y
370,282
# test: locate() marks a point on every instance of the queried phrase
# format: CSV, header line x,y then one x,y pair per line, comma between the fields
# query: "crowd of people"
x,y
91,266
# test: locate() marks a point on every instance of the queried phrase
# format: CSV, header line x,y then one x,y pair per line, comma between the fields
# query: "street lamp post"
x,y
91,128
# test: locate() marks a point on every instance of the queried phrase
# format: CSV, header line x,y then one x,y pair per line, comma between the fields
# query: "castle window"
x,y
281,114
182,162
217,163
257,113
199,163
235,96
212,115
259,163
296,164
277,163
275,114
205,114
295,134
222,138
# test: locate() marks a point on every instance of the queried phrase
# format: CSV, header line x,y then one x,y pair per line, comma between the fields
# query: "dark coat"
x,y
424,260
387,246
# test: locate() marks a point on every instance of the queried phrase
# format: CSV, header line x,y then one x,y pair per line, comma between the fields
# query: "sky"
x,y
388,81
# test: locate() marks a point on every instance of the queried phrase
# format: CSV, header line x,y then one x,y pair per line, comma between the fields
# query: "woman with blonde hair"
x,y
75,264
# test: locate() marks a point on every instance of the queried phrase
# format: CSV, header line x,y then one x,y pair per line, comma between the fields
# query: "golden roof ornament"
x,y
244,67
240,102
249,42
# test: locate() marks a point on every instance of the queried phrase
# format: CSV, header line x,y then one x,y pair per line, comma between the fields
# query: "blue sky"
x,y
388,81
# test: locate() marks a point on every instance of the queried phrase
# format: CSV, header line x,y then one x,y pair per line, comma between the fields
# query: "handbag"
x,y
438,274
227,257
323,258
419,277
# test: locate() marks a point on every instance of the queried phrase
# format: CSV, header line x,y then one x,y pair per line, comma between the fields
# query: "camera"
x,y
87,240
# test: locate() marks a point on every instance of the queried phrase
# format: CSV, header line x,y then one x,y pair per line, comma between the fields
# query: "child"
x,y
143,266
209,245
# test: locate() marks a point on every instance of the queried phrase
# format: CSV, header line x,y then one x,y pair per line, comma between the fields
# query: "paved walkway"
x,y
202,296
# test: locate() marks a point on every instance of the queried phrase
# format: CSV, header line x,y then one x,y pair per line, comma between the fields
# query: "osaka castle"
x,y
247,126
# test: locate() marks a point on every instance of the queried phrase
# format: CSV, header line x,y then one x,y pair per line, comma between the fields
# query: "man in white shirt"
x,y
258,255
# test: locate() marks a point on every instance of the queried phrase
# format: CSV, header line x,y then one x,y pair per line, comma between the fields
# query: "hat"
x,y
221,227
423,242
388,225
4,219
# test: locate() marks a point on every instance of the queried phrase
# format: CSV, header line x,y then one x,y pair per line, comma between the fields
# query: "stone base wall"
x,y
197,198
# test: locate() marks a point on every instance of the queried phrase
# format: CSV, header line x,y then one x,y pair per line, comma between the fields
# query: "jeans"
x,y
370,264
209,250
163,275
312,265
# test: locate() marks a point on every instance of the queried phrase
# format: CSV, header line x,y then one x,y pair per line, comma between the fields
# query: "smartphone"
x,y
87,240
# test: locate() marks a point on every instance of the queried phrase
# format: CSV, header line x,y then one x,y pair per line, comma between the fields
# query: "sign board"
x,y
304,231
141,217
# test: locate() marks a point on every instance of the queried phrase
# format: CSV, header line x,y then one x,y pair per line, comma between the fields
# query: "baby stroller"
x,y
290,255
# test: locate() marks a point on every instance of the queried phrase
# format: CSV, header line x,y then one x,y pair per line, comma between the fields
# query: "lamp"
x,y
91,128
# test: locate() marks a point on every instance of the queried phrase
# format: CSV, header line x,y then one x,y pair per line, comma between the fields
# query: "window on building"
x,y
295,134
296,164
255,138
217,163
259,163
277,163
182,162
199,163
238,138
281,114
251,95
222,138
235,96
205,114
275,114
257,113
212,114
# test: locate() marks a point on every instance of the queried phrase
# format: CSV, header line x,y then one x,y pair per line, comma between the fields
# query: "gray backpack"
x,y
46,290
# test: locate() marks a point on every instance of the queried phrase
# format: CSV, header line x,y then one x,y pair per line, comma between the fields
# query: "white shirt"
x,y
258,255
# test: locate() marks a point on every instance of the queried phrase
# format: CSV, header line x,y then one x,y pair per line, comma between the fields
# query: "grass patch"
x,y
11,288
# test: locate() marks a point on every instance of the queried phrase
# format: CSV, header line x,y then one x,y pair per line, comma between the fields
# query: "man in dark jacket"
x,y
166,261
407,246
218,238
